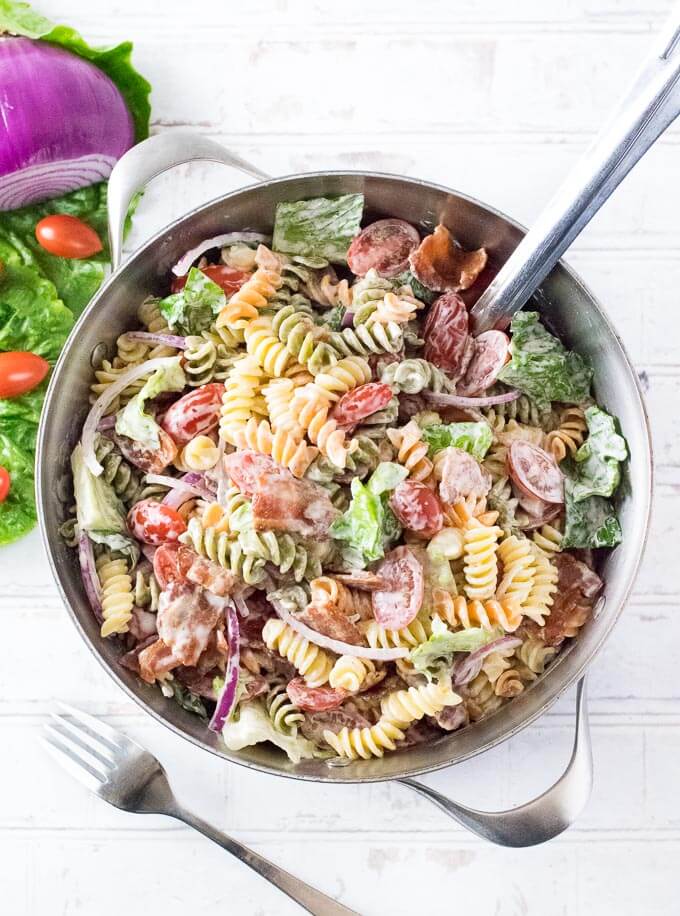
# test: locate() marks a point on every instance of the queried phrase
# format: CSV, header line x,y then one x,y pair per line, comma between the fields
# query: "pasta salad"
x,y
315,510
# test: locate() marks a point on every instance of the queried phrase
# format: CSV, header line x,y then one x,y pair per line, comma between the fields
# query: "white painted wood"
x,y
497,100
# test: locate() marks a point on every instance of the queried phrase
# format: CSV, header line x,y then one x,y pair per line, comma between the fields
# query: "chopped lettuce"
x,y
369,524
475,438
193,308
598,460
188,700
434,658
445,546
419,291
251,725
320,227
589,522
99,511
542,367
20,19
132,421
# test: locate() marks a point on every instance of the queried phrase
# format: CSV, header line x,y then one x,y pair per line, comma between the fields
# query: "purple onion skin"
x,y
57,108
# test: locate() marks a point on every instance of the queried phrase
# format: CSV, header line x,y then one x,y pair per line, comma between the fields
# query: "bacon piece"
x,y
575,574
187,616
210,575
577,587
442,265
247,467
142,624
335,720
462,477
328,620
363,580
296,506
156,661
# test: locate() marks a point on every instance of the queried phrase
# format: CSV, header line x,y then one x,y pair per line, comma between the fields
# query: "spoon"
x,y
651,104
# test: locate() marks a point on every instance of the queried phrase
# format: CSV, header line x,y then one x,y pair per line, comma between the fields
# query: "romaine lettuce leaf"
x,y
20,19
542,367
369,524
419,291
590,522
251,725
434,658
17,512
32,317
132,421
598,460
475,438
193,309
99,511
321,227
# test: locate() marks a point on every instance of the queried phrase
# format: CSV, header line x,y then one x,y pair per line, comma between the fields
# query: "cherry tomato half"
x,y
155,523
67,236
228,278
21,371
4,484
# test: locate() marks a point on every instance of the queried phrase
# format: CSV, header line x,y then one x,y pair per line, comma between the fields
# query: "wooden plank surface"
x,y
497,100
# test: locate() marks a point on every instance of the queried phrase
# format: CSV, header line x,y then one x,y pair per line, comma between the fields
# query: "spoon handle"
x,y
646,110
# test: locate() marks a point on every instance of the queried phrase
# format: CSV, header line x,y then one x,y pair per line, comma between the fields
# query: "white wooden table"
x,y
496,99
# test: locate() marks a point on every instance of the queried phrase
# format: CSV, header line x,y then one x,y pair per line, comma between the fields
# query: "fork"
x,y
127,776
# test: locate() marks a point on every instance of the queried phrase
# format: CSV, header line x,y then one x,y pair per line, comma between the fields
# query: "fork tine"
x,y
97,730
82,771
79,751
72,733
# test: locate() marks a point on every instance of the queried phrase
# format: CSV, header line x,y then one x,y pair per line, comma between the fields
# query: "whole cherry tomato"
x,y
155,523
195,413
67,236
21,371
4,484
228,278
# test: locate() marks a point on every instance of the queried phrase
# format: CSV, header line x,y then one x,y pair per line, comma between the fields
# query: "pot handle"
x,y
151,158
542,818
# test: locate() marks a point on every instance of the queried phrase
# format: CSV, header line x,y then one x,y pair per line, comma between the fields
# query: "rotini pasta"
x,y
370,741
519,570
405,706
569,435
411,450
481,564
459,612
538,603
349,672
302,340
116,594
244,304
313,663
223,548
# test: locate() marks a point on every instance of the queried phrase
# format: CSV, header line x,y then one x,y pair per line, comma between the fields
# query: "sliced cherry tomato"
x,y
5,483
21,371
67,236
361,402
151,461
490,354
315,699
535,472
397,606
247,468
417,508
195,413
155,523
446,334
383,246
228,278
171,563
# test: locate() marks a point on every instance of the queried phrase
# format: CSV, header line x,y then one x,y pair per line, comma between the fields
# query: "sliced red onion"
x,y
62,131
109,394
241,606
88,572
469,667
106,423
170,340
455,400
347,320
218,241
179,484
197,480
229,693
334,645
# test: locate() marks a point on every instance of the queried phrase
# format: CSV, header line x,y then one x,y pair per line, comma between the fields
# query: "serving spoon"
x,y
649,106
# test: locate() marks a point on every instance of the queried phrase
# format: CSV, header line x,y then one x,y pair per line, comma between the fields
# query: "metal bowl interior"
x,y
568,306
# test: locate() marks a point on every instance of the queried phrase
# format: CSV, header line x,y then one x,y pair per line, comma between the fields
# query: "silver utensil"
x,y
651,104
125,775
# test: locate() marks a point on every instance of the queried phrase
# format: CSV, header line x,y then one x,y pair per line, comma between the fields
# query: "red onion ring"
x,y
88,572
455,400
170,340
229,693
470,666
218,241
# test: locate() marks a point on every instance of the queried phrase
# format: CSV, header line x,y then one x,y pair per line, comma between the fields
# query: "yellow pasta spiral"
x,y
535,654
311,661
549,539
458,612
405,706
346,374
407,637
371,741
244,304
508,684
569,435
278,395
267,349
481,699
349,672
281,445
519,569
311,409
116,594
481,565
199,454
411,450
241,399
540,599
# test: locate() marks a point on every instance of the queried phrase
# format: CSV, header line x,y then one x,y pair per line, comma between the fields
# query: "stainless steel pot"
x,y
569,307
